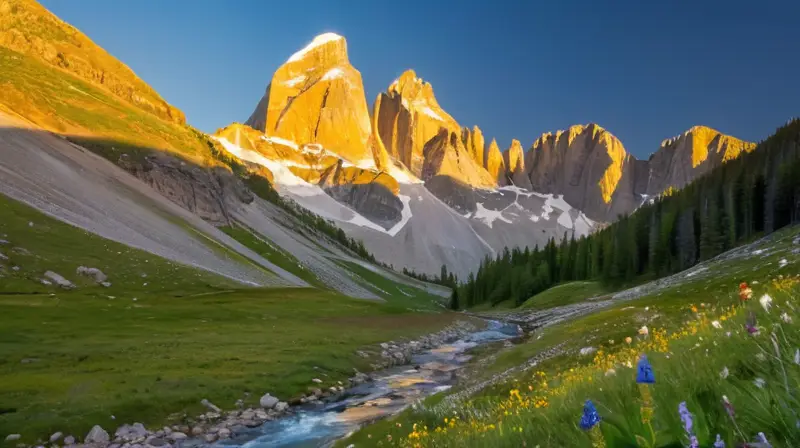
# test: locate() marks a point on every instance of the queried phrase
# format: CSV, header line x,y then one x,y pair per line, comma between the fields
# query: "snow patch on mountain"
x,y
319,40
488,216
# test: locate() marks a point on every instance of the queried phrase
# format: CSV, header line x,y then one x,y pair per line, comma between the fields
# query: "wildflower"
x,y
766,302
644,374
728,333
590,423
763,439
745,293
750,324
628,340
686,418
728,406
716,324
719,443
644,331
786,318
724,373
759,382
590,417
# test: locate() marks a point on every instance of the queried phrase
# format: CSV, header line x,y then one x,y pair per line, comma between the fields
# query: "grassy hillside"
x,y
704,342
28,28
565,294
162,336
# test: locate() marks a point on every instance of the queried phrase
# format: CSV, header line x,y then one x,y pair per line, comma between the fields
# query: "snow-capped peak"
x,y
319,40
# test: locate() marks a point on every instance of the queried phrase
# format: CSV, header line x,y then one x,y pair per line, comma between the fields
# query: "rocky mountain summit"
x,y
313,132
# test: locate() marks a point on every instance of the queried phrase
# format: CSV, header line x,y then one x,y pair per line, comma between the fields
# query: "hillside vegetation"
x,y
162,336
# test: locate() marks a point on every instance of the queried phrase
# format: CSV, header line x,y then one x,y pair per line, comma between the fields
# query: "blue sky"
x,y
644,70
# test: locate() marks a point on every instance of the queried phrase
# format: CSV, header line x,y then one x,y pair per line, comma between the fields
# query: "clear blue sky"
x,y
645,70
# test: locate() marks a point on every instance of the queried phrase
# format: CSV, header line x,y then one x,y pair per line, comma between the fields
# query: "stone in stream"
x,y
197,430
97,435
210,405
177,435
268,401
69,440
224,433
281,406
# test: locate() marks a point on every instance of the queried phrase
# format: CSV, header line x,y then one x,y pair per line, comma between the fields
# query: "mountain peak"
x,y
320,42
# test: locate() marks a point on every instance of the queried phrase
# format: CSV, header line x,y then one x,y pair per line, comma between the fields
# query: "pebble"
x,y
55,437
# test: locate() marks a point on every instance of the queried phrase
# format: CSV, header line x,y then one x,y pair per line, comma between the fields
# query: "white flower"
x,y
761,357
797,357
786,318
728,333
644,331
759,382
724,374
766,302
716,324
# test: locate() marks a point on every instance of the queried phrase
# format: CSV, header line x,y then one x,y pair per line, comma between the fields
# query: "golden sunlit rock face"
x,y
584,163
514,160
317,97
685,157
417,132
494,164
28,28
445,155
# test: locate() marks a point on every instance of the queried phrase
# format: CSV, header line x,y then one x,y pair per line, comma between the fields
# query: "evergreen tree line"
x,y
753,195
445,278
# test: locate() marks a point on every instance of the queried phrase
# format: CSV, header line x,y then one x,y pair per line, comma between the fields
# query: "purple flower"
x,y
763,439
686,418
719,443
590,417
644,371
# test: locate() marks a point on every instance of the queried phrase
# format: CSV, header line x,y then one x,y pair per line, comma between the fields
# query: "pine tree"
x,y
454,304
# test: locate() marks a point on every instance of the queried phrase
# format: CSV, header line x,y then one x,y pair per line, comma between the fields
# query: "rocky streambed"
x,y
404,373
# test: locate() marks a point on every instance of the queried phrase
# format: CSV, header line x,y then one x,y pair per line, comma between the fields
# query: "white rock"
x,y
95,273
587,350
106,284
176,435
224,433
281,406
97,435
268,401
55,437
59,280
69,440
317,380
12,437
209,404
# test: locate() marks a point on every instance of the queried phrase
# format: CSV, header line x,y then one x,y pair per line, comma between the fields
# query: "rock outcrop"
x,y
685,157
585,164
514,160
475,144
445,155
493,163
317,97
203,191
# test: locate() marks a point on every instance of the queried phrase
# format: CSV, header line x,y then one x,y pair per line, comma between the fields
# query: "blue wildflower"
x,y
719,443
763,439
686,417
644,371
590,418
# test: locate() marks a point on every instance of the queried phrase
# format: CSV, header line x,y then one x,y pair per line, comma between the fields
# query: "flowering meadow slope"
x,y
711,362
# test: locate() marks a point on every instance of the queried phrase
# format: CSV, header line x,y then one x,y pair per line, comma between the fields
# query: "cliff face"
x,y
685,157
317,97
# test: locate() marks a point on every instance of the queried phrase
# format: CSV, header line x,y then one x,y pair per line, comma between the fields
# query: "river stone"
x,y
69,440
55,437
210,405
281,406
97,435
177,435
197,430
12,437
224,433
268,401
